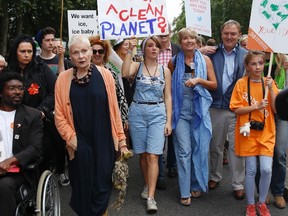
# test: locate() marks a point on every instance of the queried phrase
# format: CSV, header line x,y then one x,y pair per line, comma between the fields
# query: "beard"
x,y
11,102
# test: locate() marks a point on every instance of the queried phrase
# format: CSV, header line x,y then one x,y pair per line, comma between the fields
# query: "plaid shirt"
x,y
164,56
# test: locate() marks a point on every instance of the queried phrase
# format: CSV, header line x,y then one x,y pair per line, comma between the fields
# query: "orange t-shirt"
x,y
258,142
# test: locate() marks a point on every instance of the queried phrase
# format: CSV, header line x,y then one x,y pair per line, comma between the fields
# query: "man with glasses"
x,y
21,137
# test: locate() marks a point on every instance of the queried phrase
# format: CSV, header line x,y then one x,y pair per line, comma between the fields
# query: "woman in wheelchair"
x,y
21,137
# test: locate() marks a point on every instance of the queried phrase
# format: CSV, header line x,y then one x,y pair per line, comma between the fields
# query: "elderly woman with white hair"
x,y
88,119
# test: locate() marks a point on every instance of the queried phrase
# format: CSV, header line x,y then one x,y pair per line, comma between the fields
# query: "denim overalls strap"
x,y
149,89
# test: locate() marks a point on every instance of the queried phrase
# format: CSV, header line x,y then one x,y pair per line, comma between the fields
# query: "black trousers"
x,y
54,149
9,189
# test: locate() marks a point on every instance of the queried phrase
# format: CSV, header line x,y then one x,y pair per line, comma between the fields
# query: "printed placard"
x,y
82,22
268,29
198,16
126,18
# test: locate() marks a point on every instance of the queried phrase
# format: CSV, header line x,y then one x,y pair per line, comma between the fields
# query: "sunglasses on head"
x,y
100,51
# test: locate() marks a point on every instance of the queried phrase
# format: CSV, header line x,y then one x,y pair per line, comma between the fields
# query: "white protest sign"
x,y
268,29
126,18
198,16
82,22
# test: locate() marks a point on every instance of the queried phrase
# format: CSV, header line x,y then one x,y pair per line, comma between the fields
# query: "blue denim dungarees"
x,y
184,141
147,114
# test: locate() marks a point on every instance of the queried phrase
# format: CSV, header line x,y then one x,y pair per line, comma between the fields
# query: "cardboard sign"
x,y
268,29
126,18
198,16
82,22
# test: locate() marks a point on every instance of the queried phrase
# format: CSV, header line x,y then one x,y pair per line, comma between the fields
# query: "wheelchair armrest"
x,y
34,165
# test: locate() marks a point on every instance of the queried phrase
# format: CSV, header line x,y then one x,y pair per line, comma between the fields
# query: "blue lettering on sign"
x,y
128,29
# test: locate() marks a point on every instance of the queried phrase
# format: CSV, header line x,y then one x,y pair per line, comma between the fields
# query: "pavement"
x,y
218,202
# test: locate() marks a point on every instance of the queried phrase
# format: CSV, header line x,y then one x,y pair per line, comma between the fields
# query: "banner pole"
x,y
269,74
61,21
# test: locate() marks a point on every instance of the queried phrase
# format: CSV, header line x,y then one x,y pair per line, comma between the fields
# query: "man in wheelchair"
x,y
21,137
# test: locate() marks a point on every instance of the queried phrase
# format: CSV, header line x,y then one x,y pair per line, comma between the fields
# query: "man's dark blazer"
x,y
27,138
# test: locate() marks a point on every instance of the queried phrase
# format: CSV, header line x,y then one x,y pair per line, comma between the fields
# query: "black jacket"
x,y
27,138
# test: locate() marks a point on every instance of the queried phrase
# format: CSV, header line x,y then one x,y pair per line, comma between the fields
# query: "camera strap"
x,y
249,99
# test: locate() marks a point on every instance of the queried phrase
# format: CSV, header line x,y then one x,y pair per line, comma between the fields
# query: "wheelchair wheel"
x,y
48,196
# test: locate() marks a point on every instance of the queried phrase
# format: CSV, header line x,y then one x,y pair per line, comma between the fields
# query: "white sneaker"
x,y
144,194
151,205
64,180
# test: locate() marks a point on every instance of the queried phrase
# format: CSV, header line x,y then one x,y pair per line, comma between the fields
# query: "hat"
x,y
118,41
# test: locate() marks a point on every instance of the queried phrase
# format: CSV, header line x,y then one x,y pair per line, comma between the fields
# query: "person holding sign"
x,y
88,119
150,112
193,74
21,134
255,128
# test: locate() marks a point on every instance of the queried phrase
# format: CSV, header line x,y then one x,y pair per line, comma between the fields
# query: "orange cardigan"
x,y
64,115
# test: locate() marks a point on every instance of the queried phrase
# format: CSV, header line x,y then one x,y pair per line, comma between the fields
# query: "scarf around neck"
x,y
201,126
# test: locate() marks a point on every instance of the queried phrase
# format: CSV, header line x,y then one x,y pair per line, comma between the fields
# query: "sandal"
x,y
185,201
196,194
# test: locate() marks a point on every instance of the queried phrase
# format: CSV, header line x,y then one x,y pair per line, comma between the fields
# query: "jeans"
x,y
171,159
161,167
184,144
279,158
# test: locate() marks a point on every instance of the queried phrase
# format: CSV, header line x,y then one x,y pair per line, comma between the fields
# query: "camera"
x,y
258,126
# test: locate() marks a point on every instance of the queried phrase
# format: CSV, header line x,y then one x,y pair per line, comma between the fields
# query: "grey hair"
x,y
76,39
3,59
231,22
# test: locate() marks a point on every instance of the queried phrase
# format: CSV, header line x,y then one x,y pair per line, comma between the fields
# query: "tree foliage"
x,y
221,11
29,16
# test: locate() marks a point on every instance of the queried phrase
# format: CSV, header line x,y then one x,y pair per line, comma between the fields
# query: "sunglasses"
x,y
100,51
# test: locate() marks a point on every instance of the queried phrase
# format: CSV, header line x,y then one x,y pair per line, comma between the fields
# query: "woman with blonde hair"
x,y
193,75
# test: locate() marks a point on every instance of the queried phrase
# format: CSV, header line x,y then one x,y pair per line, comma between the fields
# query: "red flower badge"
x,y
33,89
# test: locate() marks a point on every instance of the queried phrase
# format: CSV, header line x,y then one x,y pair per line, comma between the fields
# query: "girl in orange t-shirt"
x,y
256,141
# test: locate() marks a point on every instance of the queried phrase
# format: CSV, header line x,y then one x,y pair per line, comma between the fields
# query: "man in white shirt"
x,y
21,140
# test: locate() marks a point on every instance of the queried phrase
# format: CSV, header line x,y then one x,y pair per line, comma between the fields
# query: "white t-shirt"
x,y
6,133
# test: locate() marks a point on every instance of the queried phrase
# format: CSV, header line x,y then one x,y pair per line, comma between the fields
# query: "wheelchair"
x,y
41,201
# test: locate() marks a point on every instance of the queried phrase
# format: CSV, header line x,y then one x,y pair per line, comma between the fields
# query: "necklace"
x,y
84,80
255,80
152,78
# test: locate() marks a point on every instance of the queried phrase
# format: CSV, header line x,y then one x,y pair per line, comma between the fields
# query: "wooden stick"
x,y
269,74
61,21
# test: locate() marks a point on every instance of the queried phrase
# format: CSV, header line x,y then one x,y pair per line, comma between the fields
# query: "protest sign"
x,y
82,22
126,18
268,29
198,16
